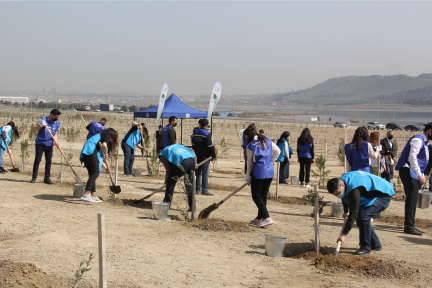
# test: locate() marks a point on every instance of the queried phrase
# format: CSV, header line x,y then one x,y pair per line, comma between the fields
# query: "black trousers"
x,y
91,162
259,189
175,173
305,166
411,187
41,149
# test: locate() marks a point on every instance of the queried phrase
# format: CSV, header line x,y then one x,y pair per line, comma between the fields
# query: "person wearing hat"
x,y
202,144
96,127
363,195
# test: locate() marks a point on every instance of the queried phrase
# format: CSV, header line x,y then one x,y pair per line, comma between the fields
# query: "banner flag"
x,y
163,96
214,99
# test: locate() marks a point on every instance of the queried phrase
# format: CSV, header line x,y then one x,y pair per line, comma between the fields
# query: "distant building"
x,y
106,107
43,90
224,113
53,90
87,108
14,99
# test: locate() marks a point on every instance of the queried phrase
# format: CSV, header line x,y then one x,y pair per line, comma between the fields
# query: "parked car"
x,y
339,125
412,128
375,125
394,126
74,110
97,110
120,111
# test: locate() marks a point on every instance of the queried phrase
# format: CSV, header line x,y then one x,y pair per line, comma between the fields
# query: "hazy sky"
x,y
251,47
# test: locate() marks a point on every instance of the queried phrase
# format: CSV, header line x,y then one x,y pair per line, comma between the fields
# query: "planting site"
x,y
45,232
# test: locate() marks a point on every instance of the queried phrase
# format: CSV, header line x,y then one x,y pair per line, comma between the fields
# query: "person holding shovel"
x,y
96,127
363,195
129,141
45,143
261,153
93,158
6,137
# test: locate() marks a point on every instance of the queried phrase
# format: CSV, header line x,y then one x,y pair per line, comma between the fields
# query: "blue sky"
x,y
251,47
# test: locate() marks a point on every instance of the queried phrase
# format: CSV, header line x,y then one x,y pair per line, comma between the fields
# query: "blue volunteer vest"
x,y
305,150
90,146
263,165
44,138
95,128
281,147
176,153
422,157
355,179
358,160
134,139
166,142
9,138
202,132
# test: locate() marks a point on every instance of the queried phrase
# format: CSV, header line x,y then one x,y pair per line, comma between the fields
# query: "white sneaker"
x,y
307,186
88,198
97,199
264,223
302,185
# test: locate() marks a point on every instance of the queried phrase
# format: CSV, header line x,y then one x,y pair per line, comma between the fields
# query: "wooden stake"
x,y
277,177
317,240
344,163
102,254
379,157
193,196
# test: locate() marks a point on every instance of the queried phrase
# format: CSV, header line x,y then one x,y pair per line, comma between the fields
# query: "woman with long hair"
x,y
6,137
306,155
283,158
359,151
261,153
93,157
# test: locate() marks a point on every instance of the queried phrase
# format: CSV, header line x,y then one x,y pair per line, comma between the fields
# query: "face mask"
x,y
54,119
390,137
340,196
175,125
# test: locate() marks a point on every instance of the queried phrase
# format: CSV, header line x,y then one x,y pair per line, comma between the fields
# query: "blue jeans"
x,y
368,237
1,155
283,170
204,171
129,158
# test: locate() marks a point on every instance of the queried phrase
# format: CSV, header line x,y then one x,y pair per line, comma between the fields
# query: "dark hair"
x,y
361,134
305,137
113,140
428,126
250,132
160,126
332,185
250,127
14,129
261,131
171,119
55,112
103,119
144,129
284,135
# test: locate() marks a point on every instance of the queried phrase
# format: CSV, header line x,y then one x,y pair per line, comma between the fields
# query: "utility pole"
x,y
378,111
294,110
394,111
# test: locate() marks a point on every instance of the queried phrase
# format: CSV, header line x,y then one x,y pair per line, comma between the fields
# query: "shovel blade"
x,y
78,180
115,189
336,253
15,170
204,214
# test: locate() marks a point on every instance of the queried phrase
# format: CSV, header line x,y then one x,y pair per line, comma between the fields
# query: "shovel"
x,y
336,253
76,177
204,214
10,155
114,188
83,120
149,170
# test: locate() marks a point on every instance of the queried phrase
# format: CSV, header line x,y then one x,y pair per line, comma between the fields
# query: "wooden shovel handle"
x,y
230,195
10,156
151,194
206,160
338,246
106,164
83,120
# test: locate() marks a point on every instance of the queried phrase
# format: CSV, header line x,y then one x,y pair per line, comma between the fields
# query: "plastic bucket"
x,y
137,171
78,190
160,210
295,180
337,209
274,245
424,199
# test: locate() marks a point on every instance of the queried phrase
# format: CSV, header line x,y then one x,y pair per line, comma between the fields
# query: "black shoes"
x,y
48,181
33,180
2,170
362,252
412,231
377,248
207,194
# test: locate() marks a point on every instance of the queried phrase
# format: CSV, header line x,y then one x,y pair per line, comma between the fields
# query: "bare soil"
x,y
288,200
218,225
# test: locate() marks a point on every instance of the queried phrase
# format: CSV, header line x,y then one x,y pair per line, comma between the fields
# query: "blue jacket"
x,y
95,128
305,150
90,146
176,153
358,160
44,138
422,158
263,166
281,147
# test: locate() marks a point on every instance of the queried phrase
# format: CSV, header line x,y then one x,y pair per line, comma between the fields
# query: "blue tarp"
x,y
173,107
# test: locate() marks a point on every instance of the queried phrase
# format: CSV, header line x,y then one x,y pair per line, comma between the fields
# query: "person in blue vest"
x,y
96,127
261,153
284,156
306,155
93,158
411,166
359,151
45,143
168,133
129,141
178,160
363,195
6,137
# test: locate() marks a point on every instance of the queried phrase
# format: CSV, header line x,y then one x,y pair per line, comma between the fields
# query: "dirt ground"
x,y
44,227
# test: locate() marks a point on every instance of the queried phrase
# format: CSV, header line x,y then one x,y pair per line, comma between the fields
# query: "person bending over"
x,y
6,137
96,127
129,141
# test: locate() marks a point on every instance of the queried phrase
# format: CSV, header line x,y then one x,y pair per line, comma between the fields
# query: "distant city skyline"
x,y
251,47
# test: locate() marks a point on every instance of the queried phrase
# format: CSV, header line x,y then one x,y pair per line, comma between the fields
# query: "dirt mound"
x,y
228,172
130,202
25,275
214,186
399,221
219,225
288,200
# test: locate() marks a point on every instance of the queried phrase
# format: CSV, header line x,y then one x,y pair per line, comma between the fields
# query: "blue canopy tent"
x,y
173,107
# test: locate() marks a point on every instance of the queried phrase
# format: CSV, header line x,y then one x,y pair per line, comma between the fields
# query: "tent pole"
x,y
181,130
211,124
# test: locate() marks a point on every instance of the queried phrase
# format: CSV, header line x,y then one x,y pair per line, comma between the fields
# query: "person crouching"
x,y
363,195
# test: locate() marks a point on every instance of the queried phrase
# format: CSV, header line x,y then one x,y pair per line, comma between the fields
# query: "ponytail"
x,y
14,129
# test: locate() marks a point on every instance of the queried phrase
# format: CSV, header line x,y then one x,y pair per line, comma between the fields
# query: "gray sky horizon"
x,y
250,47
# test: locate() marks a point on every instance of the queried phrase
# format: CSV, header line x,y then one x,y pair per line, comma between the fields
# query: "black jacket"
x,y
203,146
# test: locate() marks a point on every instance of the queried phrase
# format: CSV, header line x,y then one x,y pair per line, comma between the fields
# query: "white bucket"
x,y
78,190
424,199
274,245
295,180
160,210
337,209
137,171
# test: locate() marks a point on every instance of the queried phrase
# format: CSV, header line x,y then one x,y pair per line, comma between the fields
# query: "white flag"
x,y
162,99
214,99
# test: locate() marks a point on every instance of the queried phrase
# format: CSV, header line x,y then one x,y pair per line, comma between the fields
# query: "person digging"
x,y
363,195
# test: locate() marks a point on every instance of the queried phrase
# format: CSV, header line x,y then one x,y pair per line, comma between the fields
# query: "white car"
x,y
120,111
97,110
74,110
376,126
340,125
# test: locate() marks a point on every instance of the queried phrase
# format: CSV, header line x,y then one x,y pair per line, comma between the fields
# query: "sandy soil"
x,y
45,226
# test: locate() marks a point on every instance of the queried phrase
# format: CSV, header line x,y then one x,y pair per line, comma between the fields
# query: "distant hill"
x,y
356,89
